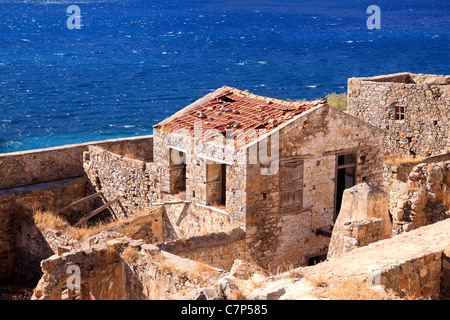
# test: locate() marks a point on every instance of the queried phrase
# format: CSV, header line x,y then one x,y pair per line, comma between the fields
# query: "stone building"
x,y
412,109
278,169
265,175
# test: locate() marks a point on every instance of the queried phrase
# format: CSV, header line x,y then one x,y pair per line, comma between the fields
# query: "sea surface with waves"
x,y
135,62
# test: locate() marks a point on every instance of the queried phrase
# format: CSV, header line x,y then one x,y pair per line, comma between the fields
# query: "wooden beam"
x,y
95,212
170,202
323,233
86,199
212,209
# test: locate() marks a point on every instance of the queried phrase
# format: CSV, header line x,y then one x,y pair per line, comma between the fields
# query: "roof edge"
x,y
193,105
283,125
306,113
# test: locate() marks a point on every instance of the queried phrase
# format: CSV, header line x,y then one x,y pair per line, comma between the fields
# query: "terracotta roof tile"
x,y
237,109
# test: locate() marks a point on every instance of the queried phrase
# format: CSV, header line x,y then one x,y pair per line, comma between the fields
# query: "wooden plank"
x,y
170,202
95,212
92,196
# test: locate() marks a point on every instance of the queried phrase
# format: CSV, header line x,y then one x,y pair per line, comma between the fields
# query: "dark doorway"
x,y
345,177
177,171
317,259
216,184
223,187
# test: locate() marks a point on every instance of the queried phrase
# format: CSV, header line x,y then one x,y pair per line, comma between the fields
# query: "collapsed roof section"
x,y
236,110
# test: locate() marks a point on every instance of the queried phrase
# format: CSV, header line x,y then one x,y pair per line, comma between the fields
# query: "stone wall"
x,y
117,177
49,196
48,179
275,236
137,185
188,219
7,246
445,278
401,172
363,219
217,249
123,269
44,165
30,247
197,183
149,228
360,233
423,199
411,264
16,203
416,278
425,129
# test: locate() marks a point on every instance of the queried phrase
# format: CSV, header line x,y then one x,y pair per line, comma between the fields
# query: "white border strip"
x,y
216,160
178,149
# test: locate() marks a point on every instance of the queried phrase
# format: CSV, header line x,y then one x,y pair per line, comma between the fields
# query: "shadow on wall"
x,y
30,247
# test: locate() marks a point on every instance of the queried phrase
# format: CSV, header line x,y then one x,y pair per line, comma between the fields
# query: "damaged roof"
x,y
230,108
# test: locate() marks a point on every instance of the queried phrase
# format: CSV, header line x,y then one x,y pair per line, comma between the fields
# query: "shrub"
x,y
337,100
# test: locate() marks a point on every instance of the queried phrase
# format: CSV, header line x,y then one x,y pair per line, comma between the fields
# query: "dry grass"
x,y
398,160
111,255
238,295
131,254
318,279
205,269
125,150
163,263
197,277
48,220
279,270
295,273
86,232
256,281
355,289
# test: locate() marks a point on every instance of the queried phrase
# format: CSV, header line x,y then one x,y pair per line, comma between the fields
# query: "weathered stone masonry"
x,y
412,109
310,143
47,179
274,234
280,207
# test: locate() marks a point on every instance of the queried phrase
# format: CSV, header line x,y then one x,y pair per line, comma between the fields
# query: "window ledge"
x,y
291,212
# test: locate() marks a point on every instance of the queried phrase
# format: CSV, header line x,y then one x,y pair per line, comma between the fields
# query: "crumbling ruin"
x,y
364,218
183,215
412,109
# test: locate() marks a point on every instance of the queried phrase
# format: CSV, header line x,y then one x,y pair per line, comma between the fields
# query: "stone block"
x,y
228,286
209,293
61,249
270,294
362,202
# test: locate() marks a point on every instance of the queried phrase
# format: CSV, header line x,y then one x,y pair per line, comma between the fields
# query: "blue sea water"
x,y
135,62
